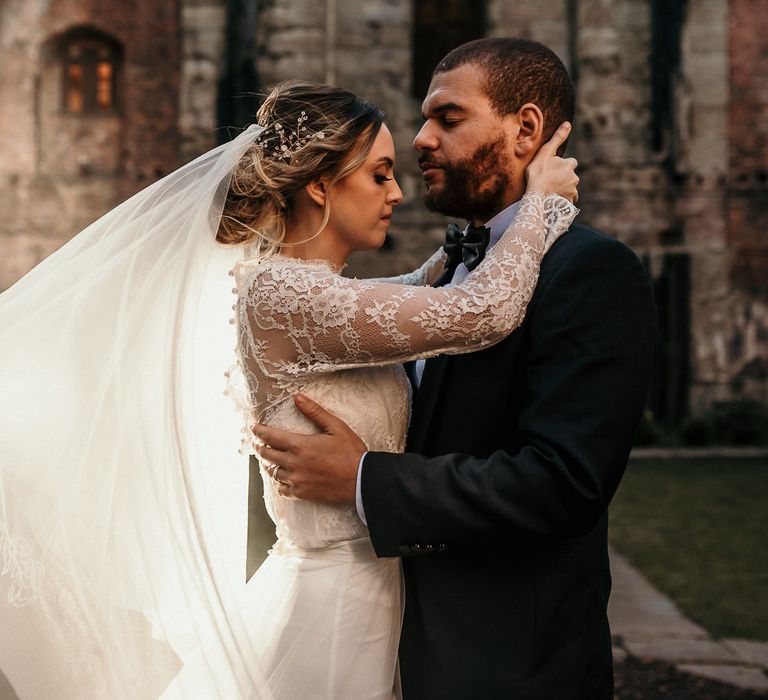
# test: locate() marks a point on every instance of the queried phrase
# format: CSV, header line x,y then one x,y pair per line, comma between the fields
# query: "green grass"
x,y
698,530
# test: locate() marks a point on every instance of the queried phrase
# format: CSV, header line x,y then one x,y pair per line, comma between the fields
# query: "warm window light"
x,y
75,88
89,77
104,85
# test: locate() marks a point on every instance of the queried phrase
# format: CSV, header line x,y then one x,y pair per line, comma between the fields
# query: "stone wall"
x,y
365,47
701,198
693,205
747,222
671,133
203,34
60,171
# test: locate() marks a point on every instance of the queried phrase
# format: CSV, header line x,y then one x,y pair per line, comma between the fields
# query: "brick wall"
x,y
58,171
686,188
203,33
748,132
747,220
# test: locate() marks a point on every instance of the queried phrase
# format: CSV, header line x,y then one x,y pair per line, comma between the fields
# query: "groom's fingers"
x,y
275,437
320,467
281,458
558,139
287,440
321,417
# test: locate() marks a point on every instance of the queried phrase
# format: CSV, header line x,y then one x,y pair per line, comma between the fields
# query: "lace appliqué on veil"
x,y
24,570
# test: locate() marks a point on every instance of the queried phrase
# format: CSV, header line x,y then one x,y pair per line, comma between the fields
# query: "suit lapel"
x,y
427,392
426,399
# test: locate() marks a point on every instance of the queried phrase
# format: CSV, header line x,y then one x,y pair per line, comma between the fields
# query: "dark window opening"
x,y
239,87
439,27
671,381
667,20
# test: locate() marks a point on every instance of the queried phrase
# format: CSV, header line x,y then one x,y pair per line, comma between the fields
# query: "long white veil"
x,y
123,498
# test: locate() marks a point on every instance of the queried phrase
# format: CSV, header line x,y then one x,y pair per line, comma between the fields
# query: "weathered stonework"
x,y
747,214
60,171
365,47
203,33
673,158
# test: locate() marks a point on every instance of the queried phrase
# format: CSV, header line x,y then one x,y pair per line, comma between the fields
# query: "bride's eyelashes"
x,y
381,179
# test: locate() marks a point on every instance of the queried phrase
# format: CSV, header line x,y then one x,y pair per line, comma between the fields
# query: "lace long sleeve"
x,y
298,318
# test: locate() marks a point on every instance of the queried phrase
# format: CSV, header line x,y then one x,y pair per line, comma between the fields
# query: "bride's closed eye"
x,y
381,179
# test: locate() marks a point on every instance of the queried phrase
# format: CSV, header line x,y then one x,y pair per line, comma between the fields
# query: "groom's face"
x,y
464,148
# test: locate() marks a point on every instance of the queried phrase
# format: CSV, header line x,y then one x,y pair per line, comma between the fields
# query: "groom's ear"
x,y
318,191
530,132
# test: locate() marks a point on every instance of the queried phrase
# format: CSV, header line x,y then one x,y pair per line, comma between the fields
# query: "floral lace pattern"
x,y
298,318
304,328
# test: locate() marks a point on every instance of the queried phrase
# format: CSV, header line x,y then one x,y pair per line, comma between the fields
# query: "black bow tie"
x,y
468,247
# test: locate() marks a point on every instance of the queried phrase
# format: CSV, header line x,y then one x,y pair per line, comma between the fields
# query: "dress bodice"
x,y
374,402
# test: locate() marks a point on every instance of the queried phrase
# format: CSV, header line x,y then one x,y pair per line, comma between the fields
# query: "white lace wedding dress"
x,y
325,611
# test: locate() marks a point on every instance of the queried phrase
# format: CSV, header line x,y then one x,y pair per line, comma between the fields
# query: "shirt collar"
x,y
499,223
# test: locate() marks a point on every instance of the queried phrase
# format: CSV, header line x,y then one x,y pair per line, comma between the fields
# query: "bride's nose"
x,y
395,194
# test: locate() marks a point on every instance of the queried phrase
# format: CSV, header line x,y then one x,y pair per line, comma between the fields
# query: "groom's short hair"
x,y
518,71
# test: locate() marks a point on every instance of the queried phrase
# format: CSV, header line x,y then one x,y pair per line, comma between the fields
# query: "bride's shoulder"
x,y
279,268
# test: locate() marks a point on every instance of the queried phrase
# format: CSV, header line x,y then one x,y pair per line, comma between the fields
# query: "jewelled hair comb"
x,y
286,142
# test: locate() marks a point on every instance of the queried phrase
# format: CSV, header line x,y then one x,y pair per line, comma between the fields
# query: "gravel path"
x,y
636,680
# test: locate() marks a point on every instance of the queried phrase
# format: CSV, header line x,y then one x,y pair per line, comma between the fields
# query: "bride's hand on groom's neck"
x,y
321,467
548,172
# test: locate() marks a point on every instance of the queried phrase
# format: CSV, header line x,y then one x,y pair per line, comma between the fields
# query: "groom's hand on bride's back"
x,y
321,467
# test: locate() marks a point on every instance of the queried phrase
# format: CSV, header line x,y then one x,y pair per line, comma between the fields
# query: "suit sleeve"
x,y
592,340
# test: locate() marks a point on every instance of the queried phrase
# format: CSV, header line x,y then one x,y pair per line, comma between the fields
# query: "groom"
x,y
498,508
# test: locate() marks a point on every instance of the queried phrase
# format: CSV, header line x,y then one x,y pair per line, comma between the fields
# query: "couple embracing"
x,y
516,442
440,534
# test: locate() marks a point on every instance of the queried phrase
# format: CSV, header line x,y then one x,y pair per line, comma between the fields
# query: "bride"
x,y
123,504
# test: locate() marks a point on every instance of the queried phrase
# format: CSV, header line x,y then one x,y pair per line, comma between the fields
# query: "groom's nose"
x,y
426,139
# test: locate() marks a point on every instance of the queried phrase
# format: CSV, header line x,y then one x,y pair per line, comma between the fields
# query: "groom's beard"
x,y
474,188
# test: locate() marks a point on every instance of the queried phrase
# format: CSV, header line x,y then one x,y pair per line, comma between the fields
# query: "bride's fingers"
x,y
548,172
558,139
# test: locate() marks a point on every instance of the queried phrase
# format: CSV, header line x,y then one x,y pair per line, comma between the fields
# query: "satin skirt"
x,y
325,625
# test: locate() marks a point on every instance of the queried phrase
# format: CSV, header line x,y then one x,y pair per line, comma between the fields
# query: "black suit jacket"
x,y
499,506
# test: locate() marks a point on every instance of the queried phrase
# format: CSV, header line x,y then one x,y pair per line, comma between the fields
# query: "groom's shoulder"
x,y
583,245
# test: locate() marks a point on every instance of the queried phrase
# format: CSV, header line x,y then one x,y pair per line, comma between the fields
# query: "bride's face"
x,y
362,203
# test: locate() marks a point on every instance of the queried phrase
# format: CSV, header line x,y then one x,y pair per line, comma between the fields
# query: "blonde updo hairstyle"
x,y
340,129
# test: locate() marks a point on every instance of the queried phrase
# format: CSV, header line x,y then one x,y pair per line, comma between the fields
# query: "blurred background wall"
x,y
98,98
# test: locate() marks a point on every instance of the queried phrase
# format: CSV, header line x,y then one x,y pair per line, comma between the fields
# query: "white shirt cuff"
x,y
359,491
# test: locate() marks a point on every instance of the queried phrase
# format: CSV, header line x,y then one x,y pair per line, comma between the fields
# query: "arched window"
x,y
91,63
438,27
